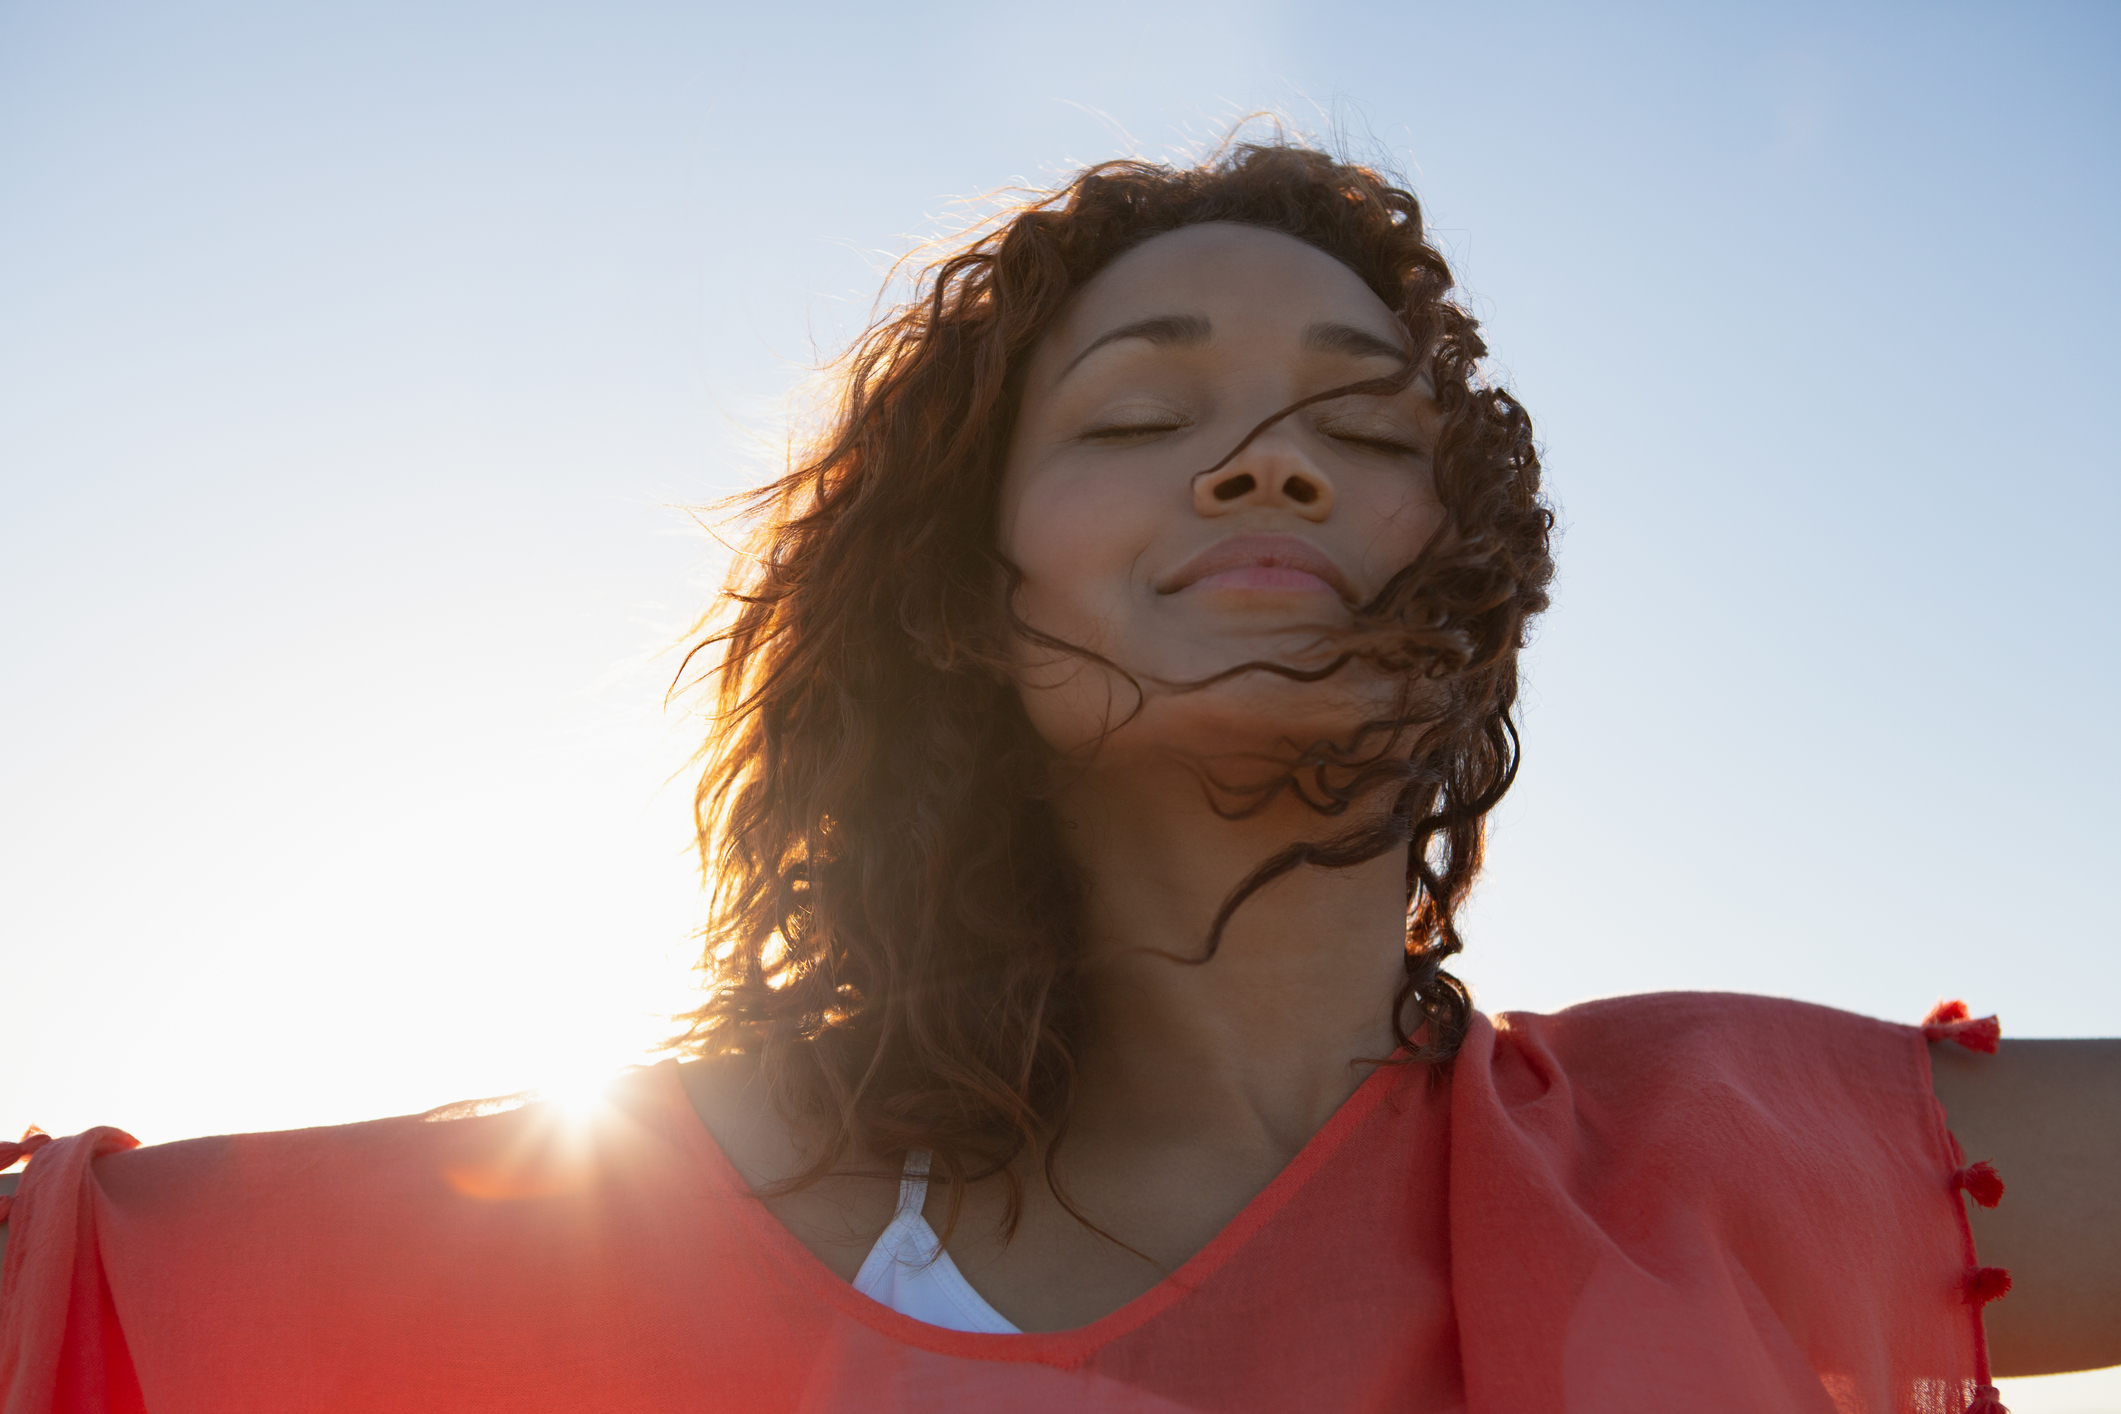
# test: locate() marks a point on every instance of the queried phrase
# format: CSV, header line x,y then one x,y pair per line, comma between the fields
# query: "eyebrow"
x,y
1157,329
1326,336
1329,337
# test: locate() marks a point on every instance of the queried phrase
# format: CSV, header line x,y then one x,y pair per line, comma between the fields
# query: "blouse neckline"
x,y
1063,1347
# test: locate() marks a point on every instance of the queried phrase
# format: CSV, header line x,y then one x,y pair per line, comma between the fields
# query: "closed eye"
x,y
1387,445
1119,431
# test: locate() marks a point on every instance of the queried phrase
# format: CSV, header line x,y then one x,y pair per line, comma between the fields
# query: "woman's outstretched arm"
x,y
2047,1114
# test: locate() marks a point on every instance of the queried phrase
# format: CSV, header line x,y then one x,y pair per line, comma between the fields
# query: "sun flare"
x,y
578,1099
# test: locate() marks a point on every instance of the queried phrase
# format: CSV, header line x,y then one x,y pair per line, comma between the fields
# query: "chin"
x,y
1252,725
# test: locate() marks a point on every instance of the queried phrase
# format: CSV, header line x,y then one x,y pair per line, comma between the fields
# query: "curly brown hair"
x,y
894,925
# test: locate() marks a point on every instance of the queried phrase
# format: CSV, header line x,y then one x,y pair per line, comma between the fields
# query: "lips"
x,y
1262,563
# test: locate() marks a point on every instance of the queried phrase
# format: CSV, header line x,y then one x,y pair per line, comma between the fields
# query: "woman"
x,y
1104,733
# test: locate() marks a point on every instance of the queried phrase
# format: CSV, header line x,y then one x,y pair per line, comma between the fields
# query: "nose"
x,y
1264,477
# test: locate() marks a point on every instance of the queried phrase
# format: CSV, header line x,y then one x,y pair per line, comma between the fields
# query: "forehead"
x,y
1228,272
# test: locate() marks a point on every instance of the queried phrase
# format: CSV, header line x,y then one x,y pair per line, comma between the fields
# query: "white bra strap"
x,y
913,1182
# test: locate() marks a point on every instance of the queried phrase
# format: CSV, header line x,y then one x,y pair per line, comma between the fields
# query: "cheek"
x,y
1402,521
1078,538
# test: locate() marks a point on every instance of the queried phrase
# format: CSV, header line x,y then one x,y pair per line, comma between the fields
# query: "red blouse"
x,y
1679,1202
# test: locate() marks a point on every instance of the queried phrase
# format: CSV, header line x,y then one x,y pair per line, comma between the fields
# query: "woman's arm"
x,y
2047,1114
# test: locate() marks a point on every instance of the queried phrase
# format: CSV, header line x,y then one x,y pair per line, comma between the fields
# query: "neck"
x,y
1257,1046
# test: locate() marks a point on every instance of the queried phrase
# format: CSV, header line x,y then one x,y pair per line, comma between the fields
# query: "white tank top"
x,y
909,1271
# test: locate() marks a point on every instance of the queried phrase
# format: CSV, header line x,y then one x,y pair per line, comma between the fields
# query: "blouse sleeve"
x,y
61,1351
1753,1194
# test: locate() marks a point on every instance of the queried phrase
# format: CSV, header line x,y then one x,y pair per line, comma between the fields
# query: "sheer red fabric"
x,y
1678,1202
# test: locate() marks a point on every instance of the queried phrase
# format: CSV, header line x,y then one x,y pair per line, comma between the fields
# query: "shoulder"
x,y
1787,1112
836,1217
1725,1035
1669,1017
736,1107
1719,1077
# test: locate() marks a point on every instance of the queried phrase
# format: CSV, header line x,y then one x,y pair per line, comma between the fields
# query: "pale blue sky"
x,y
353,355
350,357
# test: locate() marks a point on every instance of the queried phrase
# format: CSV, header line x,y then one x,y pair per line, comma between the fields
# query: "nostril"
x,y
1299,490
1236,486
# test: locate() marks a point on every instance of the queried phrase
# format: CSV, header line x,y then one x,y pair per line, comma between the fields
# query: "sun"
x,y
578,1099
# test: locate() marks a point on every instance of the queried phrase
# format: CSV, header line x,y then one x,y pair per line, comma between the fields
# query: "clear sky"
x,y
355,360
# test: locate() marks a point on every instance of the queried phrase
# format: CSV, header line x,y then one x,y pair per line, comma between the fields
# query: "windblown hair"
x,y
894,926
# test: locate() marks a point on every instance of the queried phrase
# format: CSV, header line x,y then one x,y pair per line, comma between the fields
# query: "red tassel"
x,y
7,1202
1949,1021
1980,1182
31,1141
1986,1401
1985,1284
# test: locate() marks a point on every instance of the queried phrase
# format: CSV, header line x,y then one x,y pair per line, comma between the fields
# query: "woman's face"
x,y
1159,367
